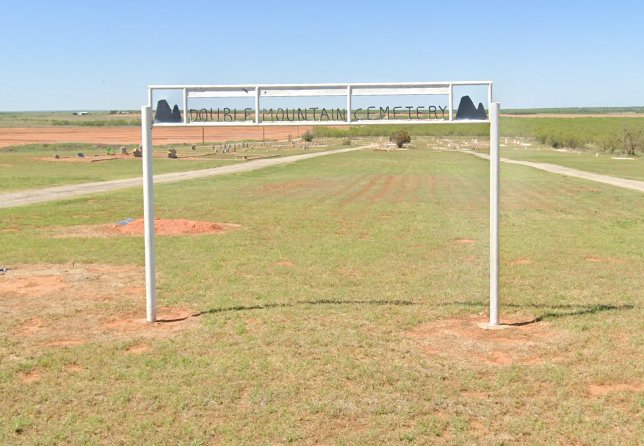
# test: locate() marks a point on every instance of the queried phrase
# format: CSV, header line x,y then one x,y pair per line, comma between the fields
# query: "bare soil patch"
x,y
605,389
137,349
132,134
464,241
286,263
34,286
30,376
175,227
32,326
65,342
73,368
163,227
523,341
521,261
594,259
71,305
169,319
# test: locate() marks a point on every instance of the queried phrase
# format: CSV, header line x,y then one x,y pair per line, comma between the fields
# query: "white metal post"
x,y
349,103
451,102
494,213
185,106
257,105
148,215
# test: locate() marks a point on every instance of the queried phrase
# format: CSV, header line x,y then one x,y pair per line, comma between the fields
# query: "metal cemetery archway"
x,y
348,114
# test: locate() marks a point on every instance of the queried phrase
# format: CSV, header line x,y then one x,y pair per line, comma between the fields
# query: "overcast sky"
x,y
99,55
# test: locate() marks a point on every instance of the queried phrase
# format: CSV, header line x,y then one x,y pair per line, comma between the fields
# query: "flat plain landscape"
x,y
330,301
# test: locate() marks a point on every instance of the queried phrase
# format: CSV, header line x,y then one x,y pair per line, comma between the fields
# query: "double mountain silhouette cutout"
x,y
466,110
164,114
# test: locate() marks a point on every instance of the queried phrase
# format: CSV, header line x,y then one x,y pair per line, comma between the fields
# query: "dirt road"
x,y
76,190
132,135
567,171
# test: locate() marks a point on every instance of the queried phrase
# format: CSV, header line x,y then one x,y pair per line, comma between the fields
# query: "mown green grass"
x,y
318,352
34,166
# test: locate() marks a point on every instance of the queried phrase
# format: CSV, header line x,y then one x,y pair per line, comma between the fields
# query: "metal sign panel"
x,y
210,105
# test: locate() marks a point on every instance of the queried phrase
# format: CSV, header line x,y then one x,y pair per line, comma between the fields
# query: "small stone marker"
x,y
123,150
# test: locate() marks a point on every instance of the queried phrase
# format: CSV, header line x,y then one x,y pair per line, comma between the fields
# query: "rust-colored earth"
x,y
464,241
177,226
605,389
162,226
523,340
132,135
68,305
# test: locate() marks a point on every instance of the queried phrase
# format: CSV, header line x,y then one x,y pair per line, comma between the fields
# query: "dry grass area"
x,y
521,340
49,306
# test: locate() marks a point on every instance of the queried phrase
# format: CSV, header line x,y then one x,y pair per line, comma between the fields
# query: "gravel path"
x,y
27,197
567,171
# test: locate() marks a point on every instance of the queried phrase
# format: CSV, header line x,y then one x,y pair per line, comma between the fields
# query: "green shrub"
x,y
308,136
400,137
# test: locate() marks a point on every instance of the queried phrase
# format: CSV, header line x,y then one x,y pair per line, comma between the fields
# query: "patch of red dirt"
x,y
284,263
464,241
169,319
521,341
594,259
98,303
65,342
605,389
30,376
522,261
172,227
31,327
162,227
73,368
137,349
137,290
132,134
33,286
